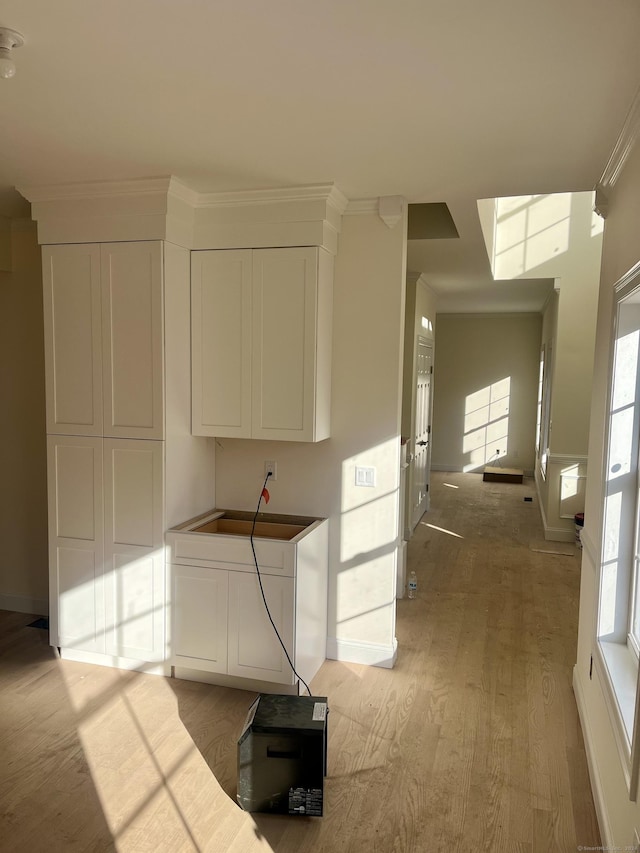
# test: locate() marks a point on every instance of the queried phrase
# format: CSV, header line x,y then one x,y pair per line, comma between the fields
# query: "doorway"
x,y
420,461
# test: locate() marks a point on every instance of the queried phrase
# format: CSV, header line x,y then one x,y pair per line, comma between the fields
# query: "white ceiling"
x,y
436,100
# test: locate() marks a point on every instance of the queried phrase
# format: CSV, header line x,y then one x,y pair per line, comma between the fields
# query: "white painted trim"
x,y
391,209
166,209
615,164
360,206
567,459
102,189
510,315
222,680
24,604
173,186
597,787
559,534
457,469
115,662
419,278
590,549
370,654
241,198
621,150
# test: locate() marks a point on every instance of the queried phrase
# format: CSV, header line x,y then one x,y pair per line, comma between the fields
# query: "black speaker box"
x,y
282,755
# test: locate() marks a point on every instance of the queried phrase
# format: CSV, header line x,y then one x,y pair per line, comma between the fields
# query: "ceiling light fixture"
x,y
8,40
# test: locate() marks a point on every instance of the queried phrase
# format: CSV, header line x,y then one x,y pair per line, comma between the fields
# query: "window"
x,y
619,594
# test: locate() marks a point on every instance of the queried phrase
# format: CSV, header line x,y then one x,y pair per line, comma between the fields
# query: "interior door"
x,y
422,440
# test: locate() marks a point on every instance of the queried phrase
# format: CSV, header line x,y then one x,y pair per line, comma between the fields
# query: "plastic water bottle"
x,y
413,585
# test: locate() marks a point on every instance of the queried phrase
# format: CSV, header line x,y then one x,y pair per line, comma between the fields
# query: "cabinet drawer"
x,y
232,553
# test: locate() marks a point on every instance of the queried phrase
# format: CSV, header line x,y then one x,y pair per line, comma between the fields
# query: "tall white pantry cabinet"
x,y
122,463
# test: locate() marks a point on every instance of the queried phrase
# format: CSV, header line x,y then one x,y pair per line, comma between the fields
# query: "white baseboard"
x,y
186,674
370,654
115,662
559,534
24,604
457,469
594,776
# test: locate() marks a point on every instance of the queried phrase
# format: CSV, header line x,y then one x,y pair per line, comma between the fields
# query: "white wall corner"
x,y
391,209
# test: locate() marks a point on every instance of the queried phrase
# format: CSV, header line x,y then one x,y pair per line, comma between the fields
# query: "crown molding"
x,y
621,150
239,198
164,208
173,186
104,189
360,206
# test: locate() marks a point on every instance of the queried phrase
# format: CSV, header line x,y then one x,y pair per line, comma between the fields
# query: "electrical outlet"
x,y
271,467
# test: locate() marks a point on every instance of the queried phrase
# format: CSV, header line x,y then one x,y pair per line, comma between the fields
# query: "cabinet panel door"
x,y
254,650
199,606
132,323
133,550
284,343
72,334
76,539
221,343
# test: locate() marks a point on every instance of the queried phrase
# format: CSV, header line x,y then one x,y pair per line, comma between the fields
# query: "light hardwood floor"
x,y
472,742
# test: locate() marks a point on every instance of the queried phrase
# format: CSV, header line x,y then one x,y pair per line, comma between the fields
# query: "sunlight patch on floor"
x,y
146,769
442,530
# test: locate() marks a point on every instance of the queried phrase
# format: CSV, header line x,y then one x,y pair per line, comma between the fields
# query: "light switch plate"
x,y
365,476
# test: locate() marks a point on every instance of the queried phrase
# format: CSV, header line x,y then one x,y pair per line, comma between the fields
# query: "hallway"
x,y
471,742
494,635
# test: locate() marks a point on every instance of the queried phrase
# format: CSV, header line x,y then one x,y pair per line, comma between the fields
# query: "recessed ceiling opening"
x,y
431,221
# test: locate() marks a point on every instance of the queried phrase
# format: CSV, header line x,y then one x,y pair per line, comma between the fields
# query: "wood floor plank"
x,y
472,741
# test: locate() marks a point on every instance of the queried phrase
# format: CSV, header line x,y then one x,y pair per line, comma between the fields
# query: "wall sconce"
x,y
8,40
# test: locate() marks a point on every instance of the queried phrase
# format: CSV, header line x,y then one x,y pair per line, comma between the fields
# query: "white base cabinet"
x,y
106,545
219,621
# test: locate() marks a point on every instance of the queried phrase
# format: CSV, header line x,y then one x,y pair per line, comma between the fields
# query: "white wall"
x,y
23,519
618,816
477,352
365,430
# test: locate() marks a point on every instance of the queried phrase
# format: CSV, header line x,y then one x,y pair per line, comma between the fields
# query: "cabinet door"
x,y
72,335
133,549
199,607
221,343
76,582
132,324
254,650
284,343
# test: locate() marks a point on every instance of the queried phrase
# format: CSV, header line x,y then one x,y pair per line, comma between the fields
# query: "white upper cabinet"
x,y
221,343
103,339
132,326
73,335
261,343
